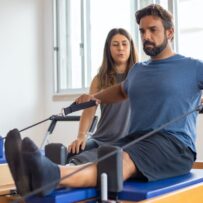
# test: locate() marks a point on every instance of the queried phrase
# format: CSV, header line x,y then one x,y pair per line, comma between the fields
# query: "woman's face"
x,y
120,49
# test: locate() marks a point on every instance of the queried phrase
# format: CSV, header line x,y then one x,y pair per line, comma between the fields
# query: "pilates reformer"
x,y
59,156
130,190
57,152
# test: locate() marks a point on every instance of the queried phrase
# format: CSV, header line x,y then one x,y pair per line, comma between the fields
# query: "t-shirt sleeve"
x,y
126,82
125,85
200,74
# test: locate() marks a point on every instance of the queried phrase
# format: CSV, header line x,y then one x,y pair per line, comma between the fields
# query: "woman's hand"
x,y
77,145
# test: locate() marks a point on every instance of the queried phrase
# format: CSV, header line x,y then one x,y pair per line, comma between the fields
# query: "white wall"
x,y
21,65
199,142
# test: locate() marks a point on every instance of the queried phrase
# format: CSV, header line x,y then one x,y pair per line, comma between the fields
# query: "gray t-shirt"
x,y
114,120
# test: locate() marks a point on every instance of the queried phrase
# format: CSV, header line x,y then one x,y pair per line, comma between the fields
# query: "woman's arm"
x,y
85,123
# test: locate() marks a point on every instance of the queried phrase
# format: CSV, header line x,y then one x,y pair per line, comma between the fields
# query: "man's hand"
x,y
85,98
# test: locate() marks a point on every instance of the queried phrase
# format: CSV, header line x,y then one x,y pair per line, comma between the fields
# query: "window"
x,y
68,46
81,27
105,16
190,28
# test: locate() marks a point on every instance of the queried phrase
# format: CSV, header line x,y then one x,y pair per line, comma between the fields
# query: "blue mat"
x,y
1,147
2,156
2,160
133,190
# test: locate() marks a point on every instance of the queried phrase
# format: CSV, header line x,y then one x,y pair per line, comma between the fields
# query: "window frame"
x,y
85,44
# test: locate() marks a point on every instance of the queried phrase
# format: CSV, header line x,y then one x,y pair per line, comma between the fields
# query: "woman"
x,y
118,56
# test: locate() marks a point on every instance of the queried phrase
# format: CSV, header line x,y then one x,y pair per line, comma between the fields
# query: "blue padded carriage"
x,y
132,191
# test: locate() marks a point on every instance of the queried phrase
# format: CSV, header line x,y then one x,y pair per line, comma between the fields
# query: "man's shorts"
x,y
158,156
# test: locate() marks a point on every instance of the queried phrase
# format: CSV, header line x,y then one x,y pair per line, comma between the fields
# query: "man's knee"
x,y
129,168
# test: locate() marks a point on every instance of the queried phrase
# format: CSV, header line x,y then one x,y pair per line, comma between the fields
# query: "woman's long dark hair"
x,y
107,71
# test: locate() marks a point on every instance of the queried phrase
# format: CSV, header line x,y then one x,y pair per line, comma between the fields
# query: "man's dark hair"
x,y
157,11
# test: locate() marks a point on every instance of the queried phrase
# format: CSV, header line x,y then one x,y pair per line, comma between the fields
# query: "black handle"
x,y
76,107
64,118
56,118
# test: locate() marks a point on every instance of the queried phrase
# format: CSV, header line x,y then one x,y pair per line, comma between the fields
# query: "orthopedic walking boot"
x,y
13,144
45,174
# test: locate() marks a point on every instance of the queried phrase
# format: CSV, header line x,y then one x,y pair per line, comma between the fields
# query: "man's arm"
x,y
110,95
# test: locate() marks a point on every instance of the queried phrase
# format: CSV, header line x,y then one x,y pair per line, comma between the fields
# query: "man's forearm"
x,y
111,95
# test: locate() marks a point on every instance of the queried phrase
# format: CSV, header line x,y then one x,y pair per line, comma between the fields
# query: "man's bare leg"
x,y
84,178
43,172
129,168
88,176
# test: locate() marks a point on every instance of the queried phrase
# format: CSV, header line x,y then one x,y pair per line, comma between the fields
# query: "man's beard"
x,y
154,50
